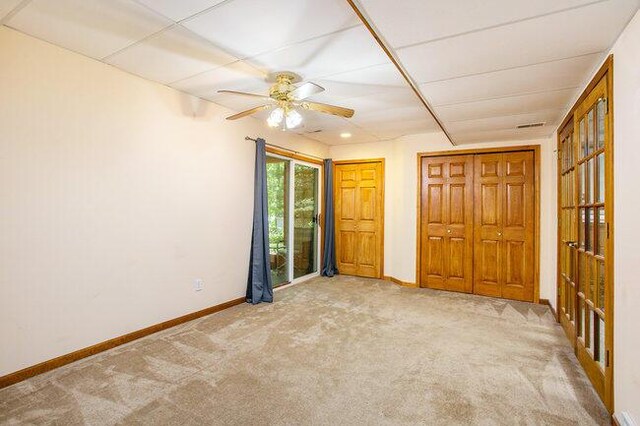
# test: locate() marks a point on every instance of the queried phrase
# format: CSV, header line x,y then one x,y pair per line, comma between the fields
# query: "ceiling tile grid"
x,y
488,66
203,46
485,66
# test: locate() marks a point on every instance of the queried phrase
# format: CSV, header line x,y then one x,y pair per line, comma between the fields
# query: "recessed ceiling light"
x,y
345,135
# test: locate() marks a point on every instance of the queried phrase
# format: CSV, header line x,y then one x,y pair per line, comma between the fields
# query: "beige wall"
x,y
116,193
626,106
401,199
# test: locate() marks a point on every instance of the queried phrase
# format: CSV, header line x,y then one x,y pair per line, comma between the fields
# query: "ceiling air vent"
x,y
526,126
314,131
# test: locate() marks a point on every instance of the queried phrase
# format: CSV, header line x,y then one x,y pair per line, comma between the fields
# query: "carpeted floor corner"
x,y
345,350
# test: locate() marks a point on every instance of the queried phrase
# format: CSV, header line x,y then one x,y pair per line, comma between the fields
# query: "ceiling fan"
x,y
285,98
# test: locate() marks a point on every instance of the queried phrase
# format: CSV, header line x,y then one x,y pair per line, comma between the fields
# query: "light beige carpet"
x,y
341,351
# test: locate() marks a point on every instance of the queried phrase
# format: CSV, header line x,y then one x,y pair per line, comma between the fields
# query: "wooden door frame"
x,y
536,183
605,71
335,189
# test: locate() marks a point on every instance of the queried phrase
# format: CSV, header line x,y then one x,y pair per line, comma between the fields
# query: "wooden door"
x,y
567,231
593,328
504,258
446,209
359,215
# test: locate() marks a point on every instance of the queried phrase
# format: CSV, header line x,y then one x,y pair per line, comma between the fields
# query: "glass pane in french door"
x,y
305,223
278,203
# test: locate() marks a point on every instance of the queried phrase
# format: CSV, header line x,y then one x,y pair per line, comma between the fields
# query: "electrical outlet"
x,y
198,284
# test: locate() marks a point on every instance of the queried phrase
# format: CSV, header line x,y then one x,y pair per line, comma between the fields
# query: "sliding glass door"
x,y
294,203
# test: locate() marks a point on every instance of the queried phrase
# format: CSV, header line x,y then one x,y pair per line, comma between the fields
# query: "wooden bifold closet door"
x,y
477,224
504,225
447,232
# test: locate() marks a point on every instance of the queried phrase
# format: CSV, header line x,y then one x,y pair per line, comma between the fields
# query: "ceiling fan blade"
x,y
329,109
253,95
248,112
306,90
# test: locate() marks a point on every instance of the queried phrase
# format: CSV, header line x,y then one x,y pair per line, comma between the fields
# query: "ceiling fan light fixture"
x,y
293,119
345,135
275,118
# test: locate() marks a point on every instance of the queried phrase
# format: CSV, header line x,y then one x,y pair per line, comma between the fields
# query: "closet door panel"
x,y
518,230
488,200
446,241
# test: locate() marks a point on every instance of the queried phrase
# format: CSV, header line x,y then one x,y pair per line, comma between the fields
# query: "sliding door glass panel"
x,y
305,231
278,200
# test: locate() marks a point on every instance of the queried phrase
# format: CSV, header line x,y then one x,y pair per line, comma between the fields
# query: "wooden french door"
x,y
585,281
504,225
446,239
359,216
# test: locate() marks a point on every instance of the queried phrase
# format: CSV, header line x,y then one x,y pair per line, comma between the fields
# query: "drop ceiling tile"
x,y
554,75
238,76
235,103
511,105
373,80
96,28
546,38
503,135
503,122
171,55
179,10
419,20
392,130
335,53
332,137
249,27
6,6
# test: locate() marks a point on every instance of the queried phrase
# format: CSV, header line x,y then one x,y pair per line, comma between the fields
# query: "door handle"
x,y
572,244
499,234
448,231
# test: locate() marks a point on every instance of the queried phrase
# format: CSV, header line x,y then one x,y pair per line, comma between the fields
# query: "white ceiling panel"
x,y
249,27
171,55
503,135
323,56
238,76
96,28
389,129
418,21
547,38
362,82
178,10
332,137
554,75
6,6
511,105
235,103
509,122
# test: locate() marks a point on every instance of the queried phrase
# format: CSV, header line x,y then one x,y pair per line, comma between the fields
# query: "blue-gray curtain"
x,y
329,267
259,286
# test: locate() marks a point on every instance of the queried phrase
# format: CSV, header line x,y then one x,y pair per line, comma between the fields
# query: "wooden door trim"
x,y
536,183
605,71
382,182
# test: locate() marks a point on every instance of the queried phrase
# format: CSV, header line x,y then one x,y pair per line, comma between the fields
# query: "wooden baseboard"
x,y
399,282
54,363
548,303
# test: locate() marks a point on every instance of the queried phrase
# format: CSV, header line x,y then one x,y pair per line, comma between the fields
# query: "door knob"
x,y
572,244
499,234
448,231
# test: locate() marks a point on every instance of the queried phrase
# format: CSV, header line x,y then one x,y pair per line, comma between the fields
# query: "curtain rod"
x,y
247,138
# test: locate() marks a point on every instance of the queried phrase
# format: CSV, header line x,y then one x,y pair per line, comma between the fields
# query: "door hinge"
x,y
607,359
606,105
607,230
